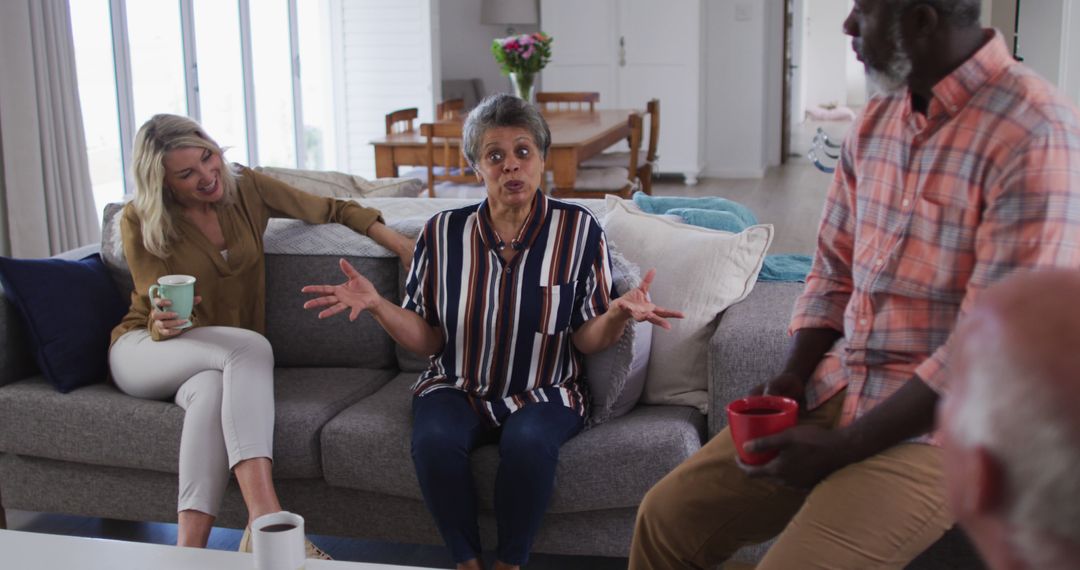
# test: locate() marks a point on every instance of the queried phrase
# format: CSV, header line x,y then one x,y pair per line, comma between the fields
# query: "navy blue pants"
x,y
445,431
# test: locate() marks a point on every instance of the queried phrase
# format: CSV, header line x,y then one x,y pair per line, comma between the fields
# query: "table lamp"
x,y
510,13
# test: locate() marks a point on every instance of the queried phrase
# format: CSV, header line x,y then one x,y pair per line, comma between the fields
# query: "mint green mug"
x,y
180,290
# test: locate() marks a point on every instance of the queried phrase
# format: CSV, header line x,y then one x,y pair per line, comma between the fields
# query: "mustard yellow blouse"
x,y
233,290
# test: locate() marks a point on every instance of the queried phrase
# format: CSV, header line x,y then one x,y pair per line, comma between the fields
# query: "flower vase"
x,y
522,84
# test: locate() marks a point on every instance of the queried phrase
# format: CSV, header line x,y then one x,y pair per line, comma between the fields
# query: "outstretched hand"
x,y
356,294
637,304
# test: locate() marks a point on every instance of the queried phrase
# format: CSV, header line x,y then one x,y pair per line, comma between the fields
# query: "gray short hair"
x,y
1032,428
958,13
503,110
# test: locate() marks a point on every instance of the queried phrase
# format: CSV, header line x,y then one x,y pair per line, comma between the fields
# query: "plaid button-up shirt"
x,y
927,211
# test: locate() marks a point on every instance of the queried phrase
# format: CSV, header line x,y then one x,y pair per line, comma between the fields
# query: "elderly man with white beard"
x,y
1009,423
965,170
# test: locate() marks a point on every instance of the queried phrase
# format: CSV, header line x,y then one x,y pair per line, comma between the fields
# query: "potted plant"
x,y
522,57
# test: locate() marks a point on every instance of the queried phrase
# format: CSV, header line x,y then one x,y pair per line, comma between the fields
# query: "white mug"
x,y
278,541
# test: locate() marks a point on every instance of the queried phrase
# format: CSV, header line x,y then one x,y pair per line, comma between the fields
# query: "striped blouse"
x,y
927,211
508,325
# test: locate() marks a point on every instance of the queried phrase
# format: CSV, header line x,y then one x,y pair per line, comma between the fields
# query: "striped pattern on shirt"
x,y
927,211
508,325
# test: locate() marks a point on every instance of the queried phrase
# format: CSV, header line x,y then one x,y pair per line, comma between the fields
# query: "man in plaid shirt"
x,y
966,170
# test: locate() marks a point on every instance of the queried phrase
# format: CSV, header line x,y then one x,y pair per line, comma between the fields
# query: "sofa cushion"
x,y
100,425
69,308
112,249
699,272
367,447
97,424
616,375
305,400
300,338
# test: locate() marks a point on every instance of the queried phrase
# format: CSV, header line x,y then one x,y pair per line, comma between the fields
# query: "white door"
x,y
659,57
583,47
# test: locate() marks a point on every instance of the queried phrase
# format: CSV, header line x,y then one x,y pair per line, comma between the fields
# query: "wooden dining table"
x,y
576,136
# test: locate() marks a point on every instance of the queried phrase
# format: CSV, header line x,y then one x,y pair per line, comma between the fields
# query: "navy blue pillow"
x,y
70,309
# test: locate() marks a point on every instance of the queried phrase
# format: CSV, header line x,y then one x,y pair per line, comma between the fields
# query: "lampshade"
x,y
508,12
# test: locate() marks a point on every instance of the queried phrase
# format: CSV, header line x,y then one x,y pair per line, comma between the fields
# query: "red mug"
x,y
758,416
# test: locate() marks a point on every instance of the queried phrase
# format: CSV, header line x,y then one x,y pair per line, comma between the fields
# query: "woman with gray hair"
x,y
194,214
506,296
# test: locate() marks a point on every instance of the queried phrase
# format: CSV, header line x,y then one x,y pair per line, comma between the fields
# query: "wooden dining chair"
x,y
567,100
646,158
621,181
401,121
447,170
450,110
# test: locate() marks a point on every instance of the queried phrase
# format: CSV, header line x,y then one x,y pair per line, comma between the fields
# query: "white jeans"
x,y
223,377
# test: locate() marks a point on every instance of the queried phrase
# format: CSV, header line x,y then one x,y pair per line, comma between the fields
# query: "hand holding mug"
x,y
807,454
757,417
175,292
785,384
167,323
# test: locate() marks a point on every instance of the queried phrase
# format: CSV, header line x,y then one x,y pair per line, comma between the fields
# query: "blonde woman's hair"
x,y
154,203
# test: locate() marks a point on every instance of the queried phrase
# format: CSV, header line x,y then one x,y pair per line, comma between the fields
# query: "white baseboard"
x,y
733,173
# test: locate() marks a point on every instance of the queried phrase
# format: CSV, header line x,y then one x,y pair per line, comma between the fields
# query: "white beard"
x,y
894,78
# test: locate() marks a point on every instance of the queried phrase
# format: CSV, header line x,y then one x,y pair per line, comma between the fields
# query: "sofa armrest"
x,y
16,362
749,345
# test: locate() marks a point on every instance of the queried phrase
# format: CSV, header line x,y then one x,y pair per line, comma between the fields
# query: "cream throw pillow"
x,y
332,184
699,272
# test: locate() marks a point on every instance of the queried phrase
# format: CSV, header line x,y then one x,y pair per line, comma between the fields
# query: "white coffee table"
x,y
54,552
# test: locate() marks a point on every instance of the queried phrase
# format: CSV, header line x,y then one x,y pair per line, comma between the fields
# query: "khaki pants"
x,y
878,513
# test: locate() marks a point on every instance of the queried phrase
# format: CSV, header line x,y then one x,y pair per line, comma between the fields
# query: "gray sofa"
x,y
342,430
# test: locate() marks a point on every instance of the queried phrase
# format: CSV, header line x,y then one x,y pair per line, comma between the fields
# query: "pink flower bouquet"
x,y
527,53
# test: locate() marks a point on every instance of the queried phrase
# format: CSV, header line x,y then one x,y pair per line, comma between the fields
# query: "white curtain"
x,y
47,193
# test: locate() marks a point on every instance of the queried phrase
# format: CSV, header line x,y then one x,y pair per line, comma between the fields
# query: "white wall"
x,y
1001,15
825,50
855,71
385,63
1041,34
774,82
465,44
735,89
1071,48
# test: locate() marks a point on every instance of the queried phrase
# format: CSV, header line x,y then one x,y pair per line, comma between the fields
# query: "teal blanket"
x,y
717,213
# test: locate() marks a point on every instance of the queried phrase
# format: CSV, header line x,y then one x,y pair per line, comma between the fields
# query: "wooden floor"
x,y
789,197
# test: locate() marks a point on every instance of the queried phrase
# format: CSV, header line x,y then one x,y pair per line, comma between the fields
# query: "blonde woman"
x,y
195,214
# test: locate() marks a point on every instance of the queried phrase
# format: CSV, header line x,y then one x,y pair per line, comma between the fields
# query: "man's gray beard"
x,y
894,78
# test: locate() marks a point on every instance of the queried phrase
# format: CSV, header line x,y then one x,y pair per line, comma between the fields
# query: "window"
x,y
293,83
221,76
233,66
96,73
157,58
313,22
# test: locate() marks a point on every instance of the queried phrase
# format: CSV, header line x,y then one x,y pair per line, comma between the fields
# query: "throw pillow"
x,y
664,205
699,272
616,375
333,184
712,219
69,309
112,249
